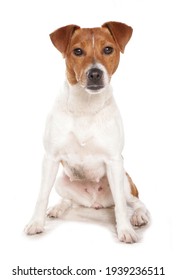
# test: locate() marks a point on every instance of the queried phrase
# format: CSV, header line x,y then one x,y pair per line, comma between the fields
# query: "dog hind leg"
x,y
140,214
71,192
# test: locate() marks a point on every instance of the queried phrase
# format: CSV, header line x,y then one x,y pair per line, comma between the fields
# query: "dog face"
x,y
92,54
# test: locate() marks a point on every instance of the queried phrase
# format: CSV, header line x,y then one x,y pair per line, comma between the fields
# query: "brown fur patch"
x,y
92,42
83,38
134,190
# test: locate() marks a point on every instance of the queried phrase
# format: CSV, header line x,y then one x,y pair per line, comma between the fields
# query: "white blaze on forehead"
x,y
93,44
93,41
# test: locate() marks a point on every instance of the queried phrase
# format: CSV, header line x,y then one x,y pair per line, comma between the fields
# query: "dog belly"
x,y
90,171
86,193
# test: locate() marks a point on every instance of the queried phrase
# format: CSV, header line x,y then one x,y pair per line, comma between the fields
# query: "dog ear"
x,y
61,37
120,32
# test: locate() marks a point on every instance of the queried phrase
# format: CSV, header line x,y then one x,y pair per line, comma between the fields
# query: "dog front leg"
x,y
49,172
115,173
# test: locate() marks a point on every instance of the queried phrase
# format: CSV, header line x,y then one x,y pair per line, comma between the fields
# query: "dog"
x,y
84,132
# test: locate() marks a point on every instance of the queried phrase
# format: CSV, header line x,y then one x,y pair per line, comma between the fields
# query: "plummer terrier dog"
x,y
84,132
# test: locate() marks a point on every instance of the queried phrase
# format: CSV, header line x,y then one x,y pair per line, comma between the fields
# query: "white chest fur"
x,y
83,131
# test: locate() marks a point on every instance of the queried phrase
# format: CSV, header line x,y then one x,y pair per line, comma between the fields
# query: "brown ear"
x,y
120,32
61,37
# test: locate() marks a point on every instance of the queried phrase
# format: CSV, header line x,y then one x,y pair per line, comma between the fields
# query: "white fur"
x,y
85,133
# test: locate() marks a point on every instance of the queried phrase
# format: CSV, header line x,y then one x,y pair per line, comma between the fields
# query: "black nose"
x,y
95,74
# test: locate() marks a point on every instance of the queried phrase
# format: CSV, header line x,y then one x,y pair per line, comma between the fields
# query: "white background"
x,y
145,89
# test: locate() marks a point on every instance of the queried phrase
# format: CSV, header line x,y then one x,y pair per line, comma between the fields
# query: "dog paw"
x,y
34,227
139,218
58,210
54,212
127,235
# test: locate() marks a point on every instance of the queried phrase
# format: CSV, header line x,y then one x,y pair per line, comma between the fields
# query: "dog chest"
x,y
82,154
81,137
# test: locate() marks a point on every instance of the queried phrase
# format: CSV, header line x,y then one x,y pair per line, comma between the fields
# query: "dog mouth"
x,y
95,87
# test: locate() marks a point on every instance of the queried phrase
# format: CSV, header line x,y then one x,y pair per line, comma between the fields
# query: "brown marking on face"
x,y
91,42
120,32
62,36
134,190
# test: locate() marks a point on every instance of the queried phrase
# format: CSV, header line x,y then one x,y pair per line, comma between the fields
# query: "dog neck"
x,y
81,102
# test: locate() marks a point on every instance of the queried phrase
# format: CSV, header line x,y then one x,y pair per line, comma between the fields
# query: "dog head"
x,y
92,54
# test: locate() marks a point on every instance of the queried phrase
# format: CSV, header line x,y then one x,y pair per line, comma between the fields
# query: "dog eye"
x,y
108,50
78,52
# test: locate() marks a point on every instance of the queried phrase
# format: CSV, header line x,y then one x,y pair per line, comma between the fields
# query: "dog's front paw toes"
x,y
34,227
127,235
59,209
54,212
139,218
